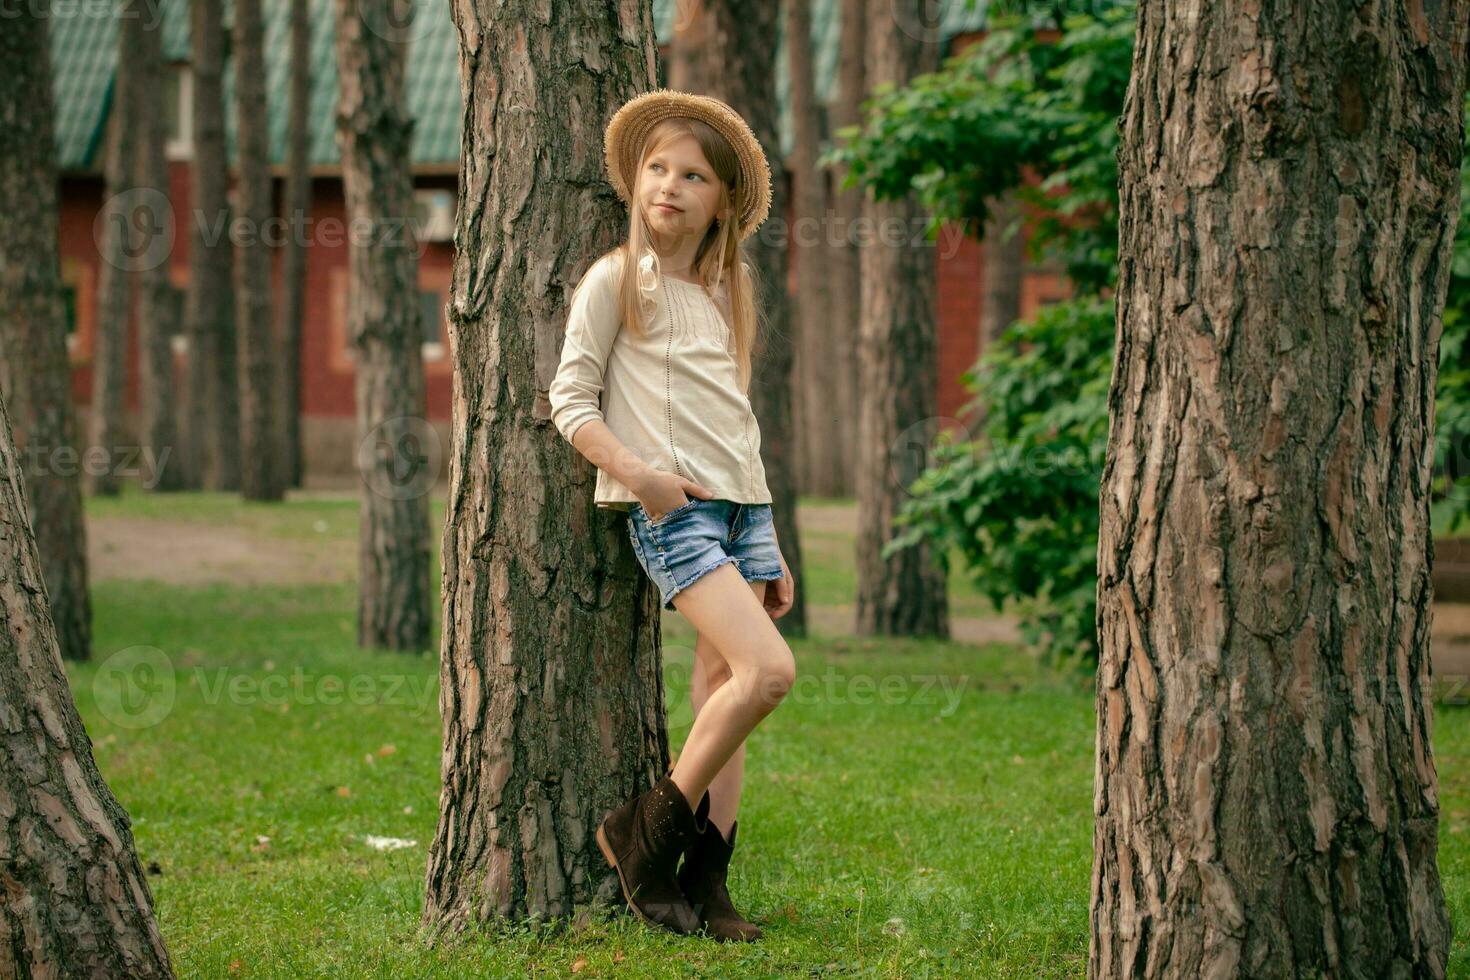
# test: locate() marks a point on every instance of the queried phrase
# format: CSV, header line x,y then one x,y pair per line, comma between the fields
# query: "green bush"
x,y
1452,401
1020,500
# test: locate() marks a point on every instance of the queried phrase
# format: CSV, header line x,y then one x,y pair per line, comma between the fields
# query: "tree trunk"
x,y
158,304
1265,794
1005,265
844,261
552,692
298,209
260,464
903,595
33,326
211,389
741,62
106,428
383,320
685,68
73,899
818,429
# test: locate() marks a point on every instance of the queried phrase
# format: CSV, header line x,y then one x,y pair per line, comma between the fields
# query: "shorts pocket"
x,y
664,518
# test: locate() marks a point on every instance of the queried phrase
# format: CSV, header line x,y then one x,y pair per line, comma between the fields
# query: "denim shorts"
x,y
701,535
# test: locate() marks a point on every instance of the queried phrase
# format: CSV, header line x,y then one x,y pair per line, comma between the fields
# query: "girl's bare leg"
x,y
710,671
726,612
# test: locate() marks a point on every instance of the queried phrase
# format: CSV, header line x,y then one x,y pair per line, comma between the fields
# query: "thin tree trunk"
x,y
73,898
844,263
552,692
298,208
1005,264
33,326
818,430
158,305
741,62
685,67
260,464
211,390
383,320
1265,798
903,595
106,427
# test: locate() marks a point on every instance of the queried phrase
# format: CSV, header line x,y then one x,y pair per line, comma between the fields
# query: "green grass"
x,y
901,831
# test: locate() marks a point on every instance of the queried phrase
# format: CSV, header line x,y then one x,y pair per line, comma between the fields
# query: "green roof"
x,y
84,60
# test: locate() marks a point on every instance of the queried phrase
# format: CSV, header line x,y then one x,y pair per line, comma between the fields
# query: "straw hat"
x,y
631,124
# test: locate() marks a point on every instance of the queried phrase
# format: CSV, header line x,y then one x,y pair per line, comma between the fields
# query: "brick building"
x,y
84,53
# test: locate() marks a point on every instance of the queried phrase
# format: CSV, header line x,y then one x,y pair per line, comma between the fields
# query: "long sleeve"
x,y
592,326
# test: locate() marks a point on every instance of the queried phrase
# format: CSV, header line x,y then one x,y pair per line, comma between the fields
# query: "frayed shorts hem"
x,y
750,575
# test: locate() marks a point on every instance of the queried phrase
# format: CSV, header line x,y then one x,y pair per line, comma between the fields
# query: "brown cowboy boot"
x,y
642,840
702,878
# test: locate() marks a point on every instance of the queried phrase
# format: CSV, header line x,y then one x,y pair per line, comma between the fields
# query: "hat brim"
x,y
631,124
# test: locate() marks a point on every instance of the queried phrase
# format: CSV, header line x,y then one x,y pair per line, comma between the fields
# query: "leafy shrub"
x,y
1020,501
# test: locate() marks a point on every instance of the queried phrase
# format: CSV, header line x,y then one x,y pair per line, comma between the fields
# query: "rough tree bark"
x,y
33,326
73,898
375,136
158,304
1266,801
844,263
106,428
741,62
552,688
211,387
298,209
818,430
260,465
903,595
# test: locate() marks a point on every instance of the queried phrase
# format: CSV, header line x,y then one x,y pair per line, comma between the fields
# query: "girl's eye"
x,y
694,175
659,166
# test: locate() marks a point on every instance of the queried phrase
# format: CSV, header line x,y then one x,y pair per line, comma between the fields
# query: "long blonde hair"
x,y
717,260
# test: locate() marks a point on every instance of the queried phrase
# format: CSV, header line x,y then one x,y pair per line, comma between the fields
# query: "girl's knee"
x,y
770,679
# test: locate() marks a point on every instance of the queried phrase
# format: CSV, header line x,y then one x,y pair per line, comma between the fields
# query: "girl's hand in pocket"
x,y
780,593
663,492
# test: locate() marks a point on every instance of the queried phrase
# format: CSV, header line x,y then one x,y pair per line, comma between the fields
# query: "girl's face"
x,y
678,190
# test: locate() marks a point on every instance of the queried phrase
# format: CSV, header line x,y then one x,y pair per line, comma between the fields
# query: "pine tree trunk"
x,y
741,62
1005,264
73,899
383,320
844,261
819,426
1265,795
157,302
903,595
33,327
685,68
298,208
211,390
552,692
260,465
106,426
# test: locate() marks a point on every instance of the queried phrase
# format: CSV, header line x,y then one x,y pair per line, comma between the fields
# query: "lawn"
x,y
913,808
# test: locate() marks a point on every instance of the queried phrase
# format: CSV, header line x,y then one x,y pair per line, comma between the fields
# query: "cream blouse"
x,y
672,396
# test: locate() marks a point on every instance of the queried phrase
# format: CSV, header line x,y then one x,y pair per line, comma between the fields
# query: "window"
x,y
178,111
431,307
78,283
69,301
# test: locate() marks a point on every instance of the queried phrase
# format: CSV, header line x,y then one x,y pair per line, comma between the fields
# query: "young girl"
x,y
653,389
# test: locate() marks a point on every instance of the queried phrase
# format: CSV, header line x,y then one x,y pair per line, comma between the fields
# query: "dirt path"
x,y
193,553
